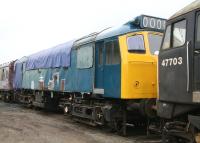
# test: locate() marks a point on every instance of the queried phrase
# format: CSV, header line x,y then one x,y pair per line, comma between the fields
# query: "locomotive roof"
x,y
139,23
116,31
22,60
85,39
188,8
5,64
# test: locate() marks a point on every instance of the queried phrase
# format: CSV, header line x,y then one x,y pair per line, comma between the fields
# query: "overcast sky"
x,y
28,26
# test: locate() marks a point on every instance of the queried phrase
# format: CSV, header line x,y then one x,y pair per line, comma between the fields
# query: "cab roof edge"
x,y
186,9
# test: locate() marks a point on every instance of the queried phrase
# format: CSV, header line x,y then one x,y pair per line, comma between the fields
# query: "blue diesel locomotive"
x,y
105,78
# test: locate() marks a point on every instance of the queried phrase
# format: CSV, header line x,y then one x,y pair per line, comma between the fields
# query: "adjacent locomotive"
x,y
179,76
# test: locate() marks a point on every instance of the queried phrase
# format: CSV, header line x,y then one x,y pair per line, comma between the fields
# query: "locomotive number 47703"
x,y
172,62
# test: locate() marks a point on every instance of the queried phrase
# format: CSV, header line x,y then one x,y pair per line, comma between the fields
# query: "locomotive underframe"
x,y
182,130
182,122
115,113
8,96
92,109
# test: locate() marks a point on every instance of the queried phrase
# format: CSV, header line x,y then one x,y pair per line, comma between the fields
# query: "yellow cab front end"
x,y
139,51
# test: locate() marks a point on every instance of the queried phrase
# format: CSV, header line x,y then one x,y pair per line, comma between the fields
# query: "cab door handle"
x,y
188,68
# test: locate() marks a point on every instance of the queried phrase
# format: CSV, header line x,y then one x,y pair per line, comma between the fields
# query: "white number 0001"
x,y
172,61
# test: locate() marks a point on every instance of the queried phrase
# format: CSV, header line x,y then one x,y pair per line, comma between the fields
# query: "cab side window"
x,y
175,35
112,52
179,33
198,29
167,37
116,53
136,44
101,54
108,47
198,32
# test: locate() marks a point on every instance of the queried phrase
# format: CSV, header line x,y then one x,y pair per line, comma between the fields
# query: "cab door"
x,y
107,68
99,70
175,60
112,69
196,77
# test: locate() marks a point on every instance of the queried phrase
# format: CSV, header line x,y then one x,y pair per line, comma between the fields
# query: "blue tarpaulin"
x,y
58,56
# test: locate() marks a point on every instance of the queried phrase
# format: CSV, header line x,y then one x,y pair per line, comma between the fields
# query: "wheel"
x,y
99,116
66,110
195,135
119,127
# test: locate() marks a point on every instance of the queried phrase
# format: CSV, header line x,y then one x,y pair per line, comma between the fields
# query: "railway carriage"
x,y
6,81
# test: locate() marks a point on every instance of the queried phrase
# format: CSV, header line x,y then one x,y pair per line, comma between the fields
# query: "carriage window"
x,y
1,74
112,52
85,56
6,72
167,37
179,33
136,44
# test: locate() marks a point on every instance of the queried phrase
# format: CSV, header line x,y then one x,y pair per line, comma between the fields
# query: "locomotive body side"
x,y
44,79
59,79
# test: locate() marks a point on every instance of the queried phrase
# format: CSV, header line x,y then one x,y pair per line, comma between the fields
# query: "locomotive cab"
x,y
126,59
126,70
179,73
139,52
